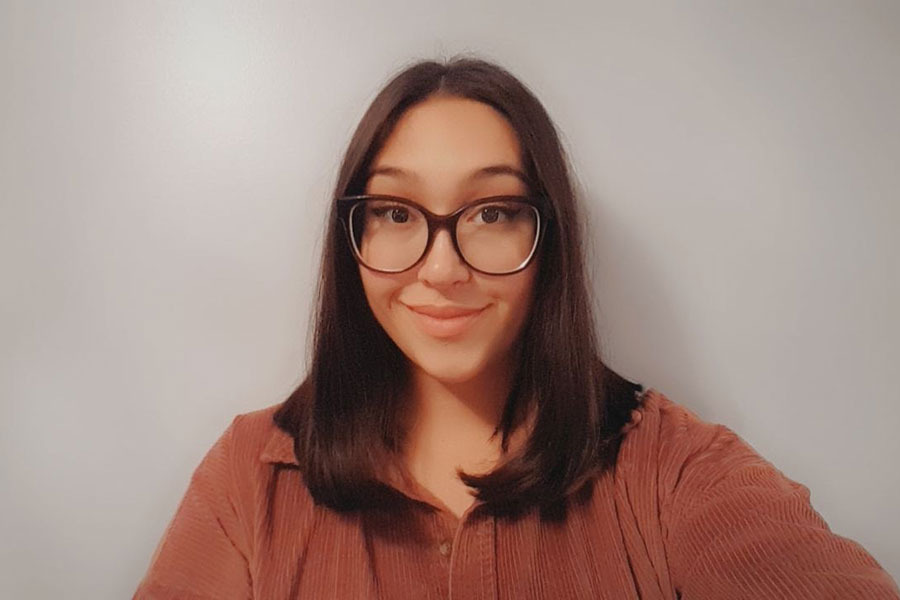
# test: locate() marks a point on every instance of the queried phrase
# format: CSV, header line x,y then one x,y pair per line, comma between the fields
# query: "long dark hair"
x,y
345,416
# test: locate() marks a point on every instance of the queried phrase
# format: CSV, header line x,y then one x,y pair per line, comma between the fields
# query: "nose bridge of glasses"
x,y
442,242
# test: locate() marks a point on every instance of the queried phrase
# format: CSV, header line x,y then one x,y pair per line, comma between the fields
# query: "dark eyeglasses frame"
x,y
437,222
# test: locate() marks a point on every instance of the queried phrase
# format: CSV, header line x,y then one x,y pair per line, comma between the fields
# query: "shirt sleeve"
x,y
203,554
735,527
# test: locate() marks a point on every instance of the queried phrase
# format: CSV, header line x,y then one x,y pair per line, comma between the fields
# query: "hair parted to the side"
x,y
344,417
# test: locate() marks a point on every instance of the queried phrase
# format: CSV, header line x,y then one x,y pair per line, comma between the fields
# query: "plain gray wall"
x,y
166,167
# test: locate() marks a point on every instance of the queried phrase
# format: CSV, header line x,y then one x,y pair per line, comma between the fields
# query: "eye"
x,y
495,213
490,214
399,215
395,213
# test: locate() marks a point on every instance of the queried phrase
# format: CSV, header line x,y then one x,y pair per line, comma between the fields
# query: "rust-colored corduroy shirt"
x,y
690,511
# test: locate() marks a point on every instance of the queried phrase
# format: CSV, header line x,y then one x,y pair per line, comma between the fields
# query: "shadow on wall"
x,y
636,316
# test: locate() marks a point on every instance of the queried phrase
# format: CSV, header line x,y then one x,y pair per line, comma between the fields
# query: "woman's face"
x,y
434,150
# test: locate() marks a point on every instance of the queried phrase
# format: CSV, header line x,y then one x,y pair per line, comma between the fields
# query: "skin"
x,y
458,384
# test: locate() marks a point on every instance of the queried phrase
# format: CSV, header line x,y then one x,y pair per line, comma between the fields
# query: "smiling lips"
x,y
444,321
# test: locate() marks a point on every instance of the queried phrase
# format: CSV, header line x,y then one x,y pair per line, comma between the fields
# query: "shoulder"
x,y
688,466
687,455
727,521
241,462
657,417
670,428
247,463
243,446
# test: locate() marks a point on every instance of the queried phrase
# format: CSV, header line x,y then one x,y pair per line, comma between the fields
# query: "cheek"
x,y
374,287
380,291
526,284
517,295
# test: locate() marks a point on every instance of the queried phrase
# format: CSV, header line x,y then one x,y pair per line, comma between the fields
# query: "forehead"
x,y
448,139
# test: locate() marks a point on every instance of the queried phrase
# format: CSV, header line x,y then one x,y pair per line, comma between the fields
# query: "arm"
x,y
203,554
735,527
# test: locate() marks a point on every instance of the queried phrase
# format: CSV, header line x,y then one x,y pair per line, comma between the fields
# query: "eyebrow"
x,y
482,173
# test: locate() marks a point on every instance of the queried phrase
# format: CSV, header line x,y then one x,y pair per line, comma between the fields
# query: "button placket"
x,y
473,569
487,546
446,526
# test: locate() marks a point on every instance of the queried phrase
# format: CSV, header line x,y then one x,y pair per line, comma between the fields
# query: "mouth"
x,y
444,322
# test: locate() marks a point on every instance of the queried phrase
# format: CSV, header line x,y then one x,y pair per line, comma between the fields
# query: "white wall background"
x,y
166,168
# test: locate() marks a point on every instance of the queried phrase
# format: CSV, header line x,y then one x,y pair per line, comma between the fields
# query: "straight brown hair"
x,y
345,416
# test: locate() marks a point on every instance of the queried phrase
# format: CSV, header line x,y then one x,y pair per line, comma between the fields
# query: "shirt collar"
x,y
279,448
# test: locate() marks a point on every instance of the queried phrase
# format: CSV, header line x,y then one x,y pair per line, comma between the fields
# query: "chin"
x,y
449,369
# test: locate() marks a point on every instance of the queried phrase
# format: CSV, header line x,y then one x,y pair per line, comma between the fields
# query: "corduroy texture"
x,y
690,511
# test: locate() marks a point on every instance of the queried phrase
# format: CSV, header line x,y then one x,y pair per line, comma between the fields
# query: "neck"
x,y
452,424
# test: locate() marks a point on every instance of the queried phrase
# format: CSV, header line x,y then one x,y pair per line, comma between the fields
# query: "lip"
x,y
444,321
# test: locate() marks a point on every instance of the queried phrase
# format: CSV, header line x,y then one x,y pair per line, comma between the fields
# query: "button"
x,y
445,548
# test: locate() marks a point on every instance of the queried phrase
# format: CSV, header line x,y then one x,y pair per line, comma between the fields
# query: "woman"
x,y
457,435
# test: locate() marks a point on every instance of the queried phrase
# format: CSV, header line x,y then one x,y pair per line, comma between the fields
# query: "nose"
x,y
443,266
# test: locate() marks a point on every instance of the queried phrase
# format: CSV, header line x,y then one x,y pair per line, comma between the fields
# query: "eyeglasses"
x,y
497,235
